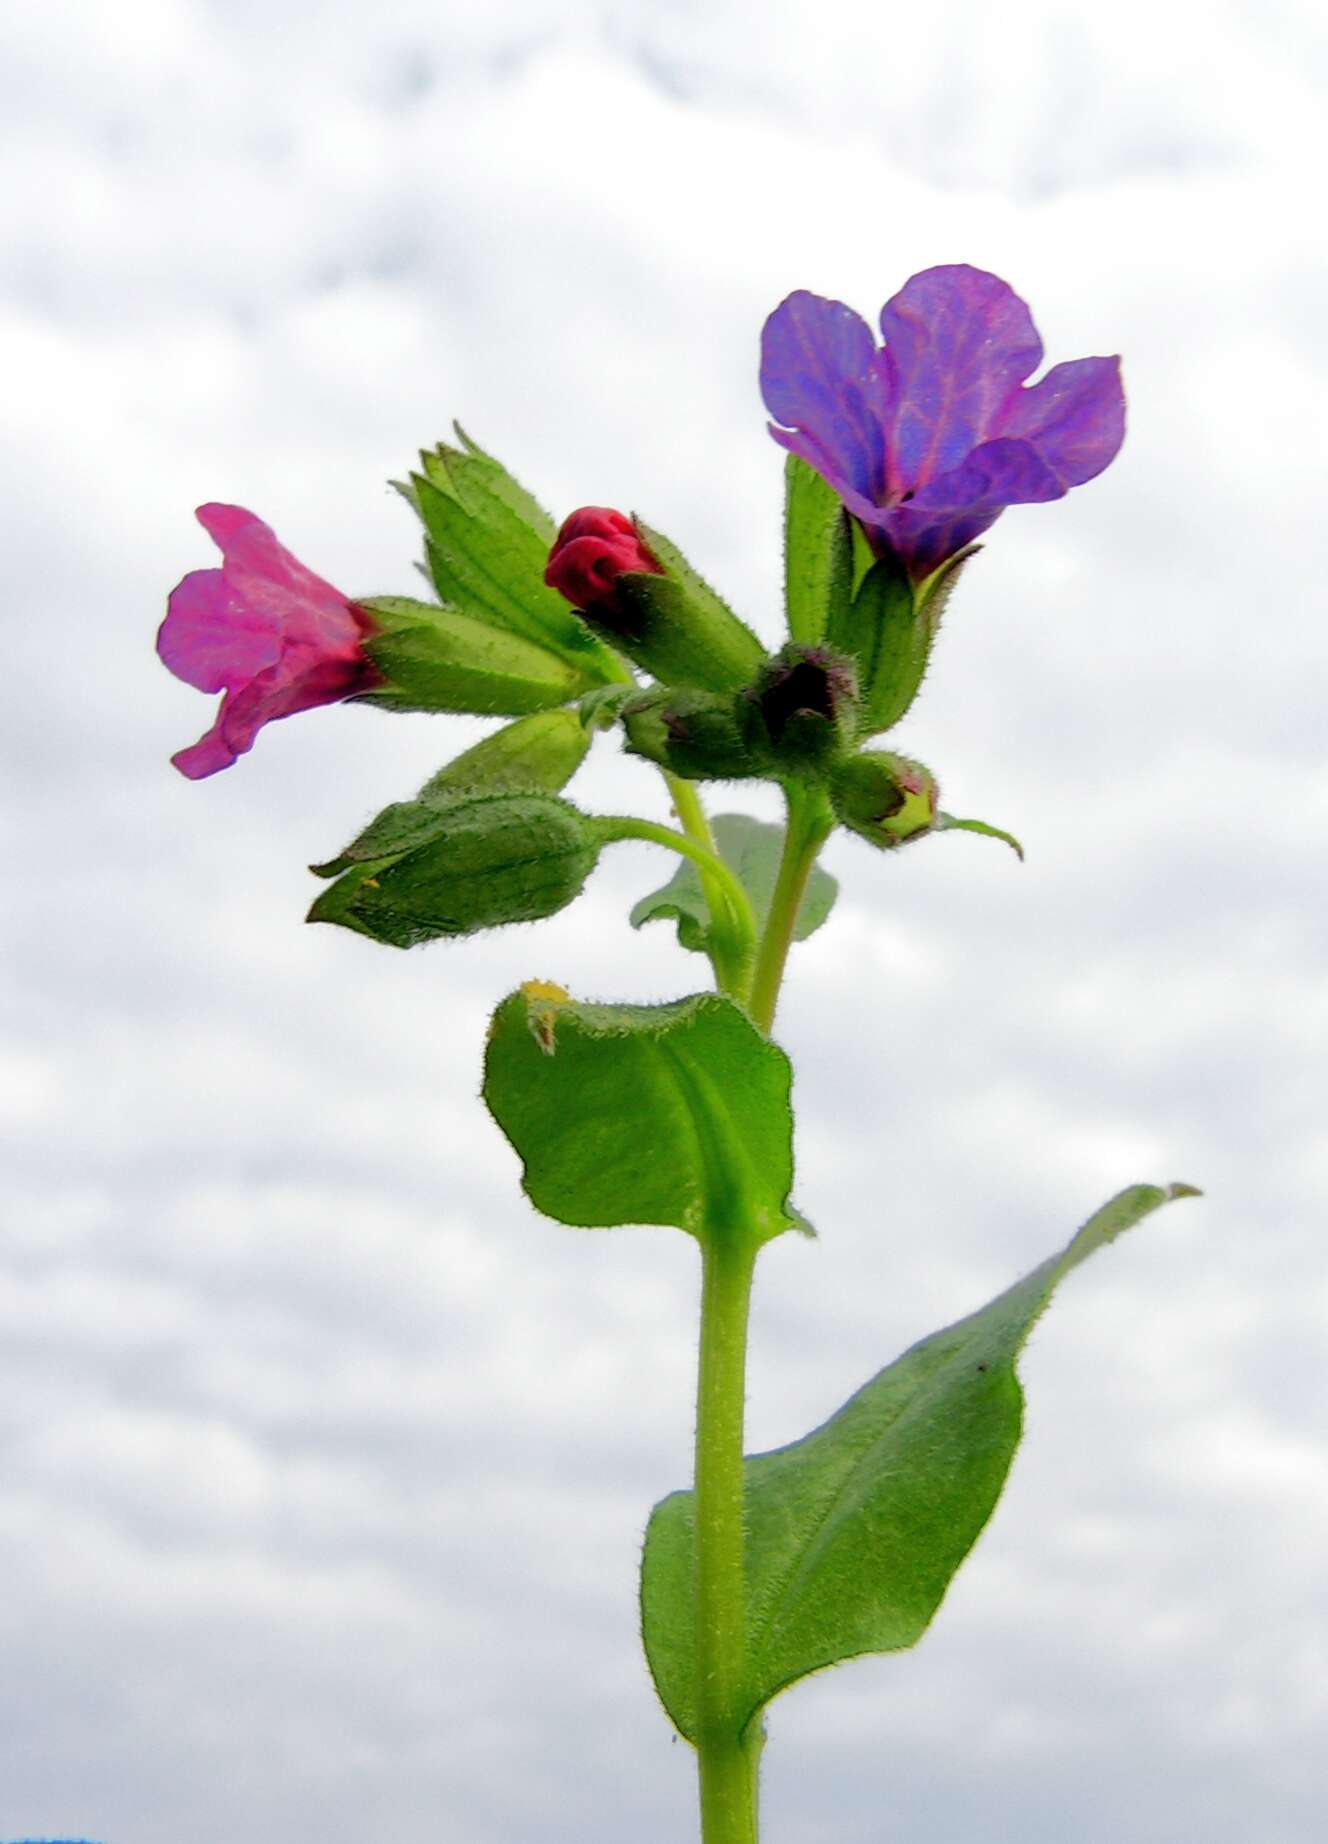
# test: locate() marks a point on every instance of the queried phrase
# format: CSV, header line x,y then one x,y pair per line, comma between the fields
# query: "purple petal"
x,y
212,638
958,344
1075,418
942,518
817,378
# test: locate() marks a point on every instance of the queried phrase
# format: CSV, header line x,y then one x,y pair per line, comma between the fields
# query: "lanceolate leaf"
x,y
855,1532
752,849
487,544
673,1114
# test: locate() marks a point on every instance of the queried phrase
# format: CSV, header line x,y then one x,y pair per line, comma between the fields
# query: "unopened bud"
x,y
694,734
635,589
887,799
422,870
593,548
803,708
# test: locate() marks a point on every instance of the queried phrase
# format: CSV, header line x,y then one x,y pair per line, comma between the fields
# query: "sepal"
x,y
947,822
671,622
486,541
694,734
801,712
542,751
433,658
888,627
818,553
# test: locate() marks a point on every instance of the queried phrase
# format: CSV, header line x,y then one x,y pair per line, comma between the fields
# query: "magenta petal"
x,y
1075,417
276,585
263,630
223,524
958,343
212,638
817,378
206,757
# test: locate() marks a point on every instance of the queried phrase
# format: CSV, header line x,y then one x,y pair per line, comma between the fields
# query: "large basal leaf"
x,y
855,1532
751,848
673,1114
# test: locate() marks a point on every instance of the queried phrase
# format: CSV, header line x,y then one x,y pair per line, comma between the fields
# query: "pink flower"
x,y
268,634
594,547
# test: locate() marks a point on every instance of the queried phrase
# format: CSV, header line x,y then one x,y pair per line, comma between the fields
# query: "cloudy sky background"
x,y
325,1462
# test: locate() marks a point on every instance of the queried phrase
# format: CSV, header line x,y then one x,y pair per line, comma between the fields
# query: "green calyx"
x,y
801,712
886,799
435,658
426,869
486,544
541,752
672,623
695,734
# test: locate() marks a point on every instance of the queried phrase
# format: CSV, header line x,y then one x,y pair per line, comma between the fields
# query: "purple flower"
x,y
268,634
929,438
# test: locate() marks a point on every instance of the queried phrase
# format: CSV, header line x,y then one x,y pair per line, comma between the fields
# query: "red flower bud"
x,y
592,550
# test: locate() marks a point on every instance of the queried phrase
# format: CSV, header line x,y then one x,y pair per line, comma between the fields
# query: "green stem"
x,y
727,1759
730,952
810,822
740,929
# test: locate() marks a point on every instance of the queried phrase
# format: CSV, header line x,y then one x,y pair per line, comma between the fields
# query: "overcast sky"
x,y
325,1461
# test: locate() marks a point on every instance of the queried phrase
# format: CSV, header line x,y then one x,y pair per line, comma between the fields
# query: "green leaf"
x,y
487,544
675,1114
751,848
818,553
855,1532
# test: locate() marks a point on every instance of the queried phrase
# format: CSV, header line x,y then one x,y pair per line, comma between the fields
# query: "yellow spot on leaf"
x,y
542,999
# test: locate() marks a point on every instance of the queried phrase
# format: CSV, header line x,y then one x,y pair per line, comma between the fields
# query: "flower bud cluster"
x,y
552,627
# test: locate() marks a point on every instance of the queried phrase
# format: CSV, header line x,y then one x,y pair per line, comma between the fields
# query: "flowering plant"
x,y
765,1567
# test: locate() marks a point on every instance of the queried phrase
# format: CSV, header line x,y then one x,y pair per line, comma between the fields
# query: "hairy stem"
x,y
740,923
731,951
727,1760
810,822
